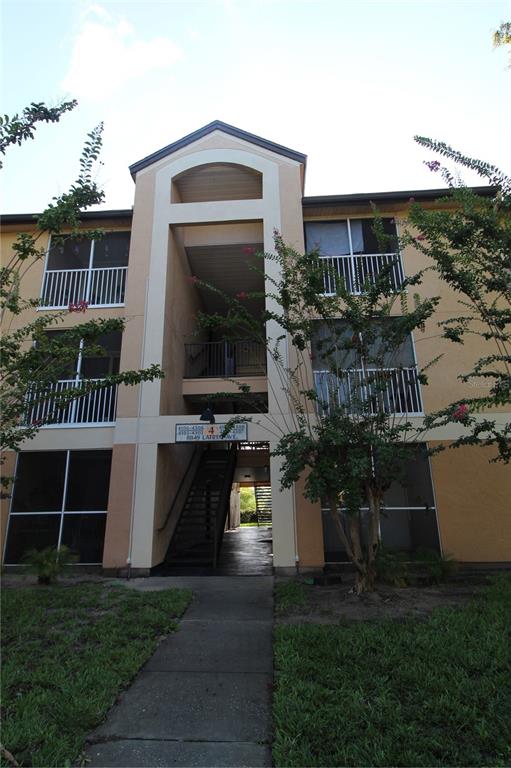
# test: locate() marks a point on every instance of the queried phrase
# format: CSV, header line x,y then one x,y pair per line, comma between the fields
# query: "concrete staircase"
x,y
263,504
198,535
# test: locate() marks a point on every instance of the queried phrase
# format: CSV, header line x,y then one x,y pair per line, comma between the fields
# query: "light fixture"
x,y
208,415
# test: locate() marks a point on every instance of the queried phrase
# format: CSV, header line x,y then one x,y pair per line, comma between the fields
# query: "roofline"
x,y
216,125
389,197
23,218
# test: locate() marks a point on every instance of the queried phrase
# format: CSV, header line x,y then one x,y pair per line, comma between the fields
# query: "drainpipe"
x,y
137,440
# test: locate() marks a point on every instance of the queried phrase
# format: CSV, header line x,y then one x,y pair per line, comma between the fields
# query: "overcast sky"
x,y
347,83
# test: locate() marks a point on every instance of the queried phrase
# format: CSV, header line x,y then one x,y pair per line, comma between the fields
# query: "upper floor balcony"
x,y
351,253
93,271
47,406
392,391
51,406
220,359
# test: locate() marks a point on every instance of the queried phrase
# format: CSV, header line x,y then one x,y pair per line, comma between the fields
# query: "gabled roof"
x,y
216,125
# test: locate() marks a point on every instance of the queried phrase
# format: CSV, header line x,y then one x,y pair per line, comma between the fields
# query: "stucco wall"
x,y
473,500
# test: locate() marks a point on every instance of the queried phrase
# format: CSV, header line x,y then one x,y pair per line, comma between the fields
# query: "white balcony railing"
x,y
356,271
97,407
395,390
99,287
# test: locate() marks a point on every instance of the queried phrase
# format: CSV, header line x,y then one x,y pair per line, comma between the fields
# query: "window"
x,y
385,377
59,497
352,253
87,270
408,521
99,406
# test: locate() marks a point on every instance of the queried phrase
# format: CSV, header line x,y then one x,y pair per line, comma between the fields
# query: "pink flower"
x,y
411,199
421,237
242,295
461,412
80,306
248,250
192,279
433,165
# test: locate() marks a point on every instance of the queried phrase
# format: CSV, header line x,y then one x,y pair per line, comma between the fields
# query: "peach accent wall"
x,y
118,519
473,500
7,469
309,528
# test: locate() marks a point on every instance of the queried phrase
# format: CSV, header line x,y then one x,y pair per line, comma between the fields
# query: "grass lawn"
x,y
415,693
67,651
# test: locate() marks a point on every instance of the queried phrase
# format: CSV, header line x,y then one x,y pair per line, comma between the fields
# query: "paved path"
x,y
204,699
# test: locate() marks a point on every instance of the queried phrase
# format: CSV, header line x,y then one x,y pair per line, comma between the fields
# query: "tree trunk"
x,y
363,581
373,535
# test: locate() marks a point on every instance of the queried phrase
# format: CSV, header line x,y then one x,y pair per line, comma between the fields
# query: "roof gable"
x,y
216,125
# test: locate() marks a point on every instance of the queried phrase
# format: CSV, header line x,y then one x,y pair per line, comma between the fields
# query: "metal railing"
x,y
96,407
359,270
393,390
225,358
99,287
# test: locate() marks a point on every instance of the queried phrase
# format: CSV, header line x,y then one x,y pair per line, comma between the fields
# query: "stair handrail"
x,y
184,476
219,521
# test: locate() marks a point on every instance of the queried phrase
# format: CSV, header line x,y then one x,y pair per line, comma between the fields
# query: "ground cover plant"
x,y
67,651
413,693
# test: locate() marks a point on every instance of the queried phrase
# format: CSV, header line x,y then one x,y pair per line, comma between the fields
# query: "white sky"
x,y
347,83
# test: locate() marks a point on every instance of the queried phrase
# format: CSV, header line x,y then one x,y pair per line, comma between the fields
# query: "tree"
x,y
32,357
502,36
349,388
468,240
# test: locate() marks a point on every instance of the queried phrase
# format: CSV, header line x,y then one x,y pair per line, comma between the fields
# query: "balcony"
x,y
396,390
93,408
99,287
358,270
216,359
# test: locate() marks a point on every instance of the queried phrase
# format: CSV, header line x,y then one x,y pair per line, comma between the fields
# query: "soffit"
x,y
229,269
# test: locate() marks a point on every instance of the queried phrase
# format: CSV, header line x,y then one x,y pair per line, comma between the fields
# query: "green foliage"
x,y
418,693
17,129
502,36
402,569
392,567
289,595
248,512
28,369
468,240
48,563
67,653
343,435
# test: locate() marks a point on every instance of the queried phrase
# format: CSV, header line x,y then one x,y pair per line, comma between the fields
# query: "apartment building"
x,y
119,474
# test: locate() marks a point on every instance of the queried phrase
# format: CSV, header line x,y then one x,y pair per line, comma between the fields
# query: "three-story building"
x,y
126,477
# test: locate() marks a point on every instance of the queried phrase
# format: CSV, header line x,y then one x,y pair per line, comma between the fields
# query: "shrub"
x,y
48,563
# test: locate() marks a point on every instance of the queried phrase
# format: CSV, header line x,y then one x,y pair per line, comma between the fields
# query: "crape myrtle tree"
x,y
342,430
468,240
33,358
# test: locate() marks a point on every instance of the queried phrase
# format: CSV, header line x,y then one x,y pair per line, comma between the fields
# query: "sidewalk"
x,y
204,699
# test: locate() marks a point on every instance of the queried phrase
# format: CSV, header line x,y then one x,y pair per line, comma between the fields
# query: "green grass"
x,y
430,693
289,595
67,652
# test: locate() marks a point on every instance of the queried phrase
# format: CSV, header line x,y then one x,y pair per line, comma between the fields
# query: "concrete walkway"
x,y
204,699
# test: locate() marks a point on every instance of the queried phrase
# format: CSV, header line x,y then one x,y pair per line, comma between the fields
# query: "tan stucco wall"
x,y
473,500
7,470
120,500
309,529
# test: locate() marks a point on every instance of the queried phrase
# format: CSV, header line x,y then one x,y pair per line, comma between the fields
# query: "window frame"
x,y
54,513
